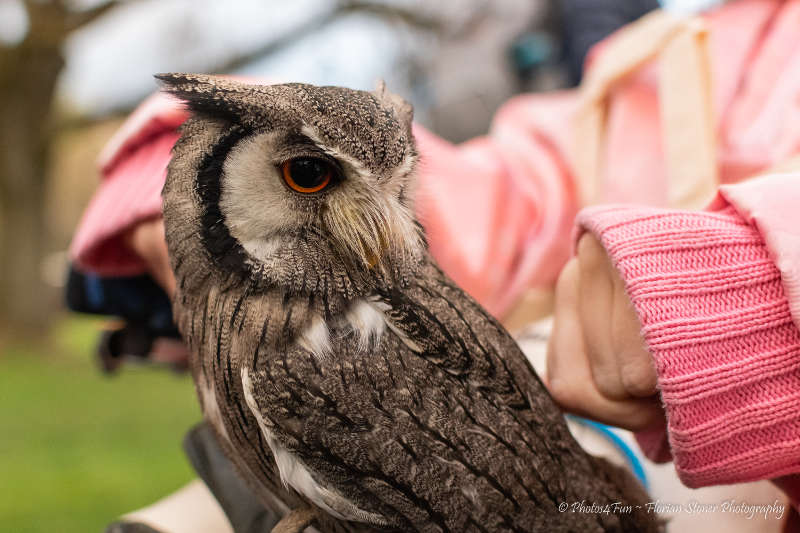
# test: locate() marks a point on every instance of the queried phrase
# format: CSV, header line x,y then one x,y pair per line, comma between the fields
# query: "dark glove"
x,y
245,512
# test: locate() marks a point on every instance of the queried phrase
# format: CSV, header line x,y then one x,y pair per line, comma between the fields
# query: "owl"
x,y
343,372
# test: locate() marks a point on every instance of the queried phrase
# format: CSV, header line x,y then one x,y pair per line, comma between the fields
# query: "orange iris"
x,y
307,174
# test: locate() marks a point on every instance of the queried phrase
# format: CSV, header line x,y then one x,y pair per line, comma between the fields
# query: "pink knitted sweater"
x,y
716,318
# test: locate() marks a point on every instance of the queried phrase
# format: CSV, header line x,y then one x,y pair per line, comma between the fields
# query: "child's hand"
x,y
147,240
597,363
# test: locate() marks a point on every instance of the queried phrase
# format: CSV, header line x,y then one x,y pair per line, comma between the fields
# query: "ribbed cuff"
x,y
716,319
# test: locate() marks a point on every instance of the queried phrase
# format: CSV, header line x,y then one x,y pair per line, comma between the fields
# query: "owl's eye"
x,y
307,174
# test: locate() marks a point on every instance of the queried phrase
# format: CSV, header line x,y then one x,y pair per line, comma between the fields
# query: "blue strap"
x,y
607,432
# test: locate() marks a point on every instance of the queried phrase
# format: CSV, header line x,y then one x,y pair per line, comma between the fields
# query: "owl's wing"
x,y
392,436
449,328
326,425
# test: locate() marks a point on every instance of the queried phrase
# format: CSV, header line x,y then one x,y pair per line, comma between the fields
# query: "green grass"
x,y
77,448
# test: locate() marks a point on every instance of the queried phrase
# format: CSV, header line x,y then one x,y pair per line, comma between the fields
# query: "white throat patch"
x,y
365,319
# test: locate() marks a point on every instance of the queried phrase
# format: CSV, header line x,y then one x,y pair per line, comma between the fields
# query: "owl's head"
x,y
292,184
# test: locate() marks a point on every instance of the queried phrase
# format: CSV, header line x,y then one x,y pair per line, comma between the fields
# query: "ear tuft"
x,y
402,108
214,96
380,89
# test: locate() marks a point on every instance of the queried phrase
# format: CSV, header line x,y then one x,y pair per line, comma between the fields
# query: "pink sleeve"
x,y
133,166
498,209
131,194
769,204
716,318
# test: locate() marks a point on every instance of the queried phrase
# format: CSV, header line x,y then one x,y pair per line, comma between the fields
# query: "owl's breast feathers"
x,y
418,412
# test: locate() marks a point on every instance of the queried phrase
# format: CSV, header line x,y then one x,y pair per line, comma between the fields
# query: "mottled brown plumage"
x,y
357,371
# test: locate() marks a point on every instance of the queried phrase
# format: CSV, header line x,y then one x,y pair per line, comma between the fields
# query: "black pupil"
x,y
308,172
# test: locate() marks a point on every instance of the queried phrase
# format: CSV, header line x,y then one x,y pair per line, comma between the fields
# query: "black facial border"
x,y
225,251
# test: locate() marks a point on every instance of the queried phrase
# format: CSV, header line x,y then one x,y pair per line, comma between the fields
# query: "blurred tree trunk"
x,y
28,75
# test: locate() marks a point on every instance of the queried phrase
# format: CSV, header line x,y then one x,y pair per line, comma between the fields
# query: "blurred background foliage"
x,y
77,448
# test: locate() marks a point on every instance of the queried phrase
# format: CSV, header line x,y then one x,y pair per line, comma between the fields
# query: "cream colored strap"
x,y
685,103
